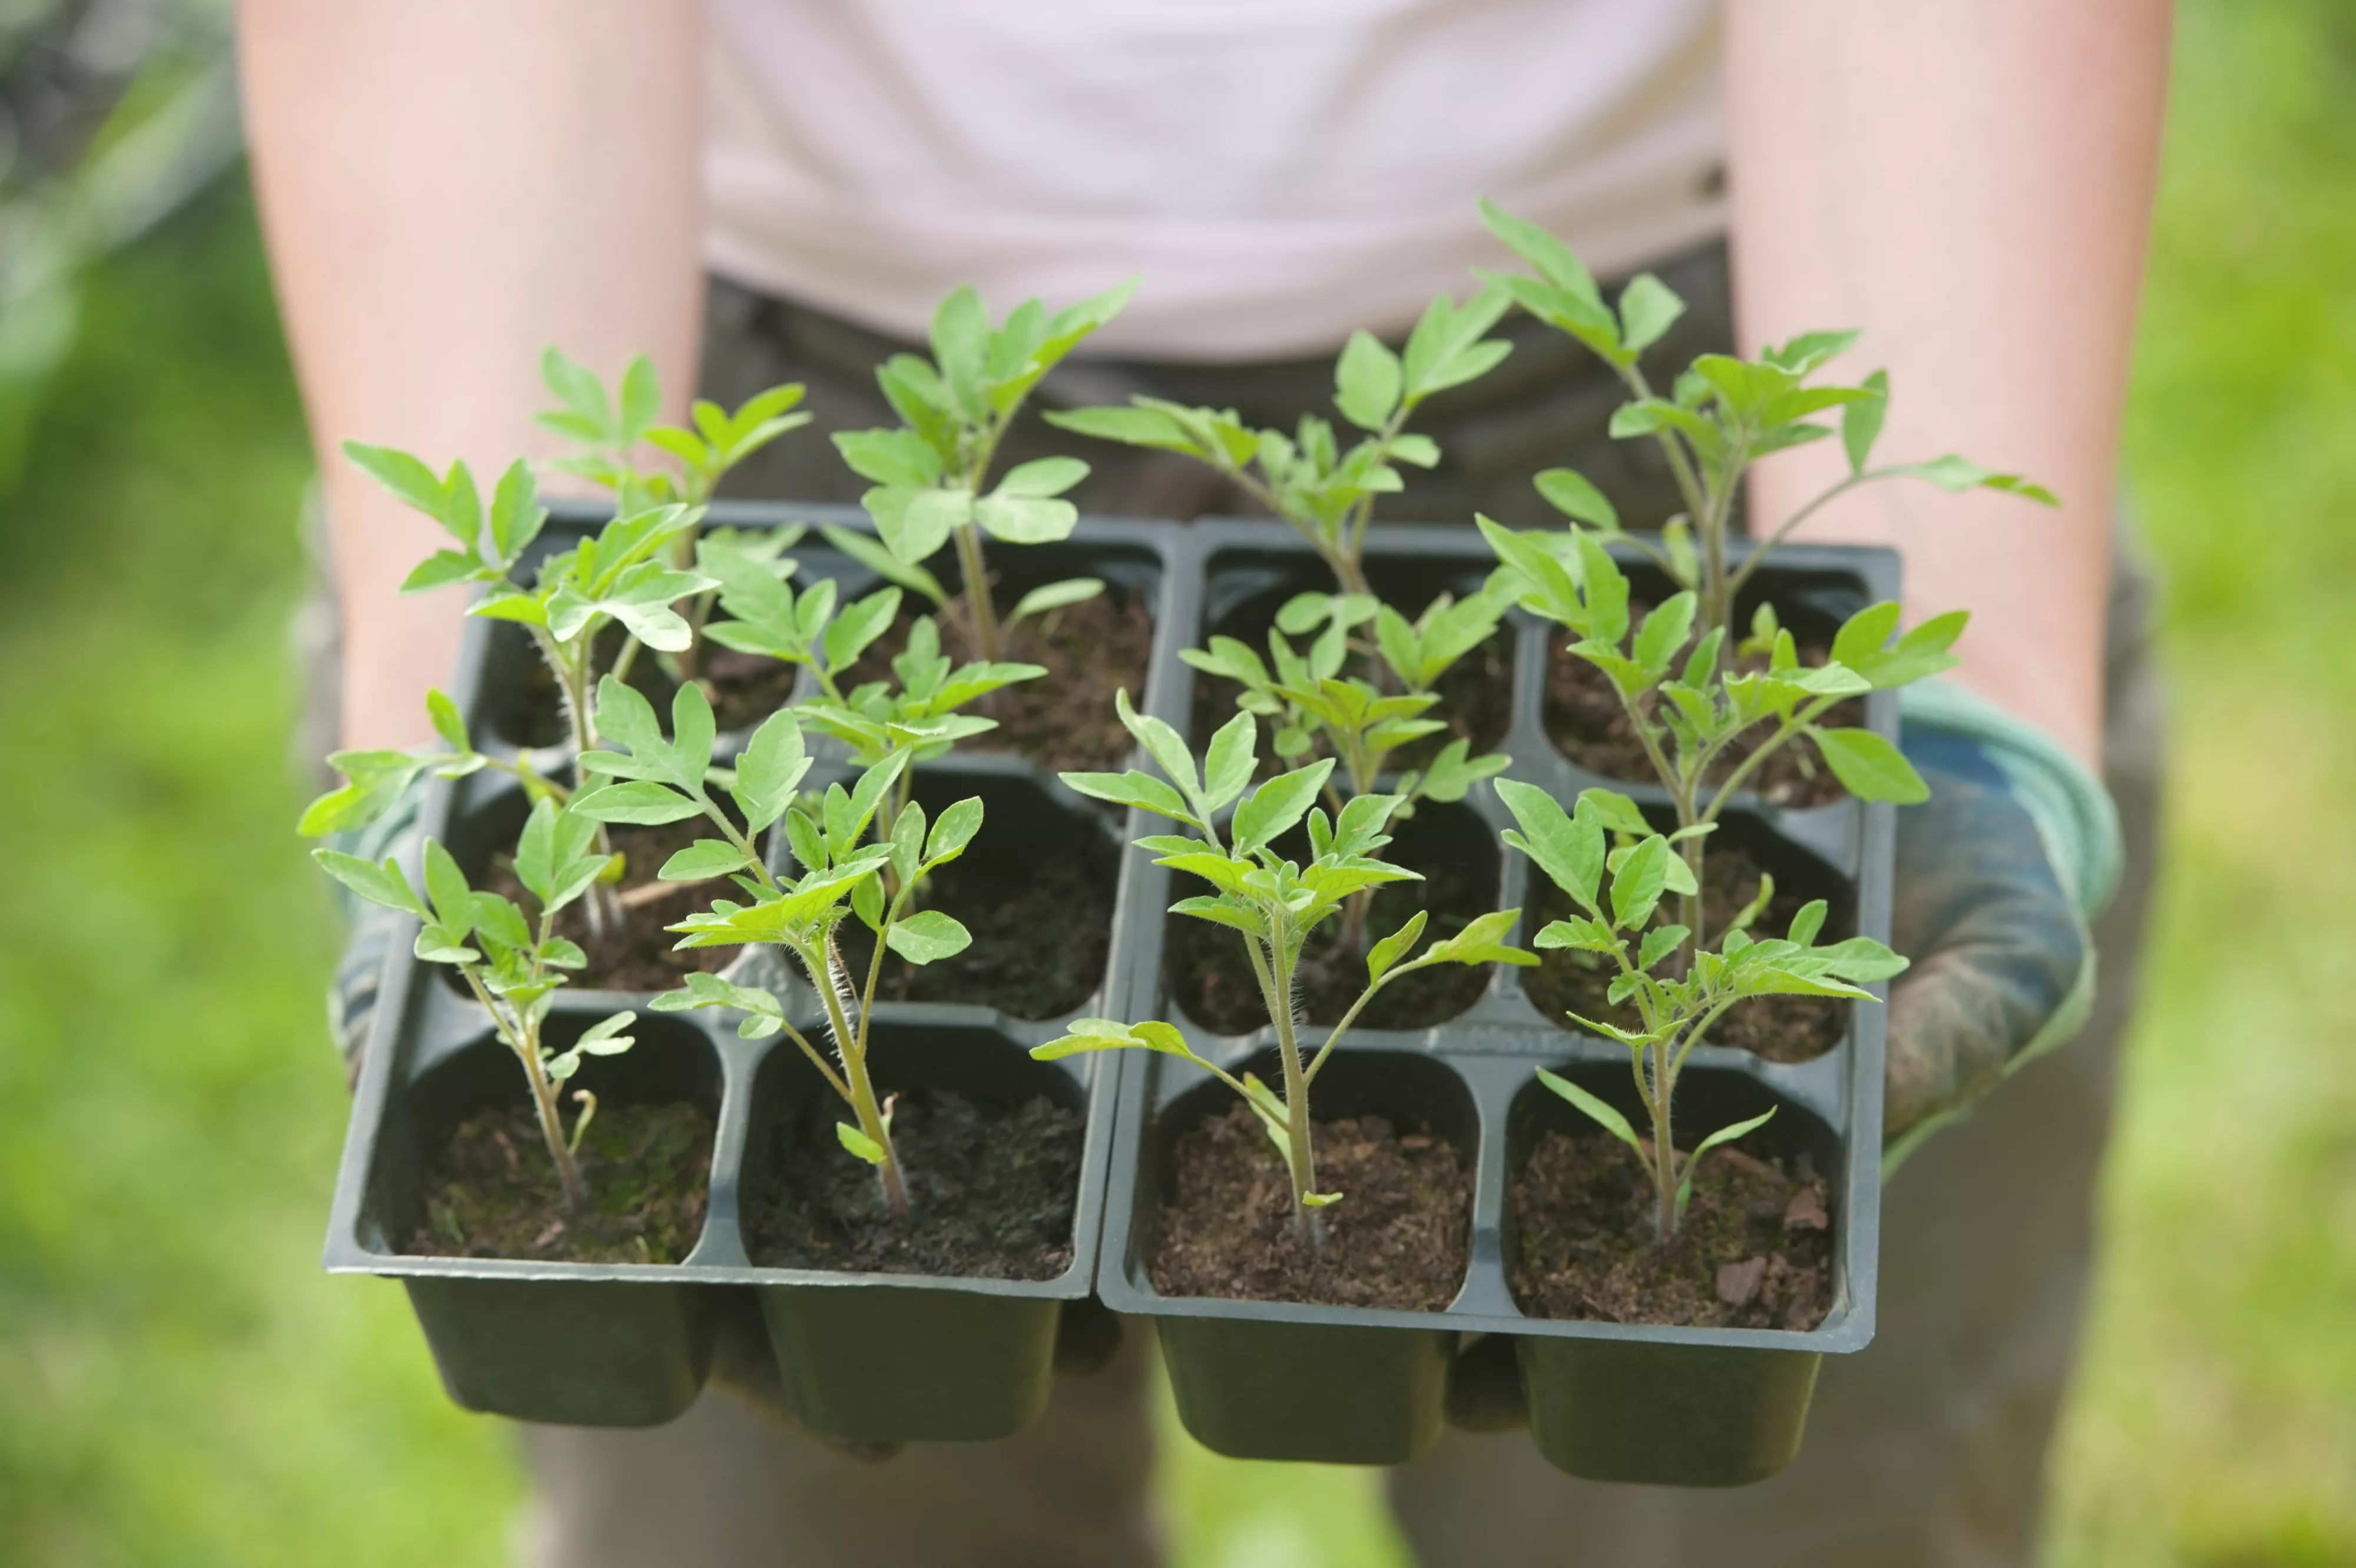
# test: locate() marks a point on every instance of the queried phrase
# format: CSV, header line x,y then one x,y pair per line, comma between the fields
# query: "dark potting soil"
x,y
1398,1239
745,688
991,1194
538,717
1754,1251
1584,716
640,956
1476,694
492,1191
1042,929
1210,974
1063,719
1778,1028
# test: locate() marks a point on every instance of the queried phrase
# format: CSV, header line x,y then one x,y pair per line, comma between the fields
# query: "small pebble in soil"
x,y
1754,1250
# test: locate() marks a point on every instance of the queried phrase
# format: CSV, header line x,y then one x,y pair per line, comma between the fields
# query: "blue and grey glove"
x,y
1998,876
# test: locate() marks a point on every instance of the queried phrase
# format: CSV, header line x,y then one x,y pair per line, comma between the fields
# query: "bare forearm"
x,y
1970,181
448,187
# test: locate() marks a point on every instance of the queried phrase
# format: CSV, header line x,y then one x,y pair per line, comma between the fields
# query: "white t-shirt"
x,y
1275,172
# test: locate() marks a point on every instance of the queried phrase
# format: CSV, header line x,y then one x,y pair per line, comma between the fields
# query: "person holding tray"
x,y
777,190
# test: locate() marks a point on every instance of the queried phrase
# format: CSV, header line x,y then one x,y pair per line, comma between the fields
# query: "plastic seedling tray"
x,y
870,1356
1687,1406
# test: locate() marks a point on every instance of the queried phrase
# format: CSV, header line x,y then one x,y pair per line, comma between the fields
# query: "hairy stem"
x,y
983,614
1672,447
1664,1152
825,974
523,1037
599,905
1275,976
1773,743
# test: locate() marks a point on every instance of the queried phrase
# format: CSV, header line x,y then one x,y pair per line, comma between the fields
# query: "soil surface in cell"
x,y
492,1191
1042,929
1397,1239
1755,1250
1584,716
745,688
992,1193
1211,974
1779,1029
538,717
637,955
1476,694
1063,719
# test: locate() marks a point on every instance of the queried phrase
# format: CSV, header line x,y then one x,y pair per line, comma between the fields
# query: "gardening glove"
x,y
372,928
1998,875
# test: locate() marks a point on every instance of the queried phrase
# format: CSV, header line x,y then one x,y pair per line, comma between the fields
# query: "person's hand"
x,y
1998,874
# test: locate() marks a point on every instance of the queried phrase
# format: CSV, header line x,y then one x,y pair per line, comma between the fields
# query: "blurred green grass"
x,y
179,1384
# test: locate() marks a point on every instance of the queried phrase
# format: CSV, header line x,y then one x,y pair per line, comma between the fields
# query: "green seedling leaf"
x,y
1132,789
1367,381
1659,943
1648,308
377,882
859,1143
1637,886
927,937
1861,421
1807,922
1577,934
1042,477
1109,1034
953,831
872,555
1723,1135
1483,940
1861,959
447,722
770,770
1161,742
1571,494
446,890
1055,597
1861,638
703,860
605,1037
375,783
1750,912
1130,426
1595,1109
1391,949
1228,766
1569,849
1277,805
1664,631
1025,519
637,801
1953,473
1868,767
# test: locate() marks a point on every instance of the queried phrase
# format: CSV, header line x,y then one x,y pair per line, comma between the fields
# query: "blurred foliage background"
x,y
180,1384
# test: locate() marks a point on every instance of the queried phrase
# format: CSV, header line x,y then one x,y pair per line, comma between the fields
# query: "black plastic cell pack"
x,y
889,1357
